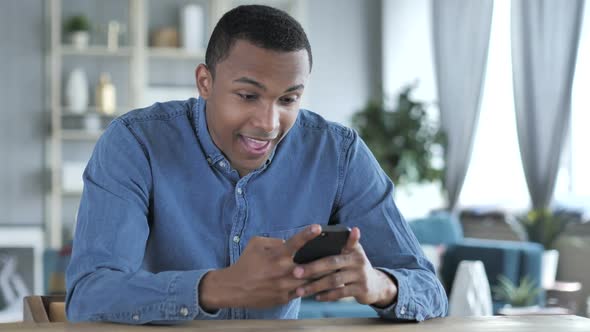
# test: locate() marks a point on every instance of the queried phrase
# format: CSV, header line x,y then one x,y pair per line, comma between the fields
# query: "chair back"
x,y
439,228
44,309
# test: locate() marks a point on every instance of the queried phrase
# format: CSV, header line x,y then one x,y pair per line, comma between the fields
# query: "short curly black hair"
x,y
263,26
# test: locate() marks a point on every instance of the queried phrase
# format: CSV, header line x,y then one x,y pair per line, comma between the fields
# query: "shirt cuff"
x,y
186,305
202,312
403,308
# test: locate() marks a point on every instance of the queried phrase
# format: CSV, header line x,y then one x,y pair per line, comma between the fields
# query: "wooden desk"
x,y
488,324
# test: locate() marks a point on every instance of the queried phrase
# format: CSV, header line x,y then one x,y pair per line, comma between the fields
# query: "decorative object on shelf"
x,y
72,176
92,122
192,27
403,140
521,295
165,37
106,95
77,28
113,31
76,92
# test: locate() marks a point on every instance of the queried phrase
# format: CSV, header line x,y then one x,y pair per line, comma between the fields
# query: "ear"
x,y
204,81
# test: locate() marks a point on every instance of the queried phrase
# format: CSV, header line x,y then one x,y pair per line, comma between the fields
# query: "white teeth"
x,y
254,143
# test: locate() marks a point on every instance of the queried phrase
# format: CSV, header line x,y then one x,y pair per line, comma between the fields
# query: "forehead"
x,y
272,68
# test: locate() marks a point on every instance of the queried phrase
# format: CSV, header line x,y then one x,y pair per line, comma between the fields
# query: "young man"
x,y
195,209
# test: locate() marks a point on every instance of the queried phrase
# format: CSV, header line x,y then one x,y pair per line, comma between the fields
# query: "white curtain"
x,y
461,34
545,35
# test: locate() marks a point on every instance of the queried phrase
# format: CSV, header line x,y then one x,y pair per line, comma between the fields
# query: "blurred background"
x,y
476,109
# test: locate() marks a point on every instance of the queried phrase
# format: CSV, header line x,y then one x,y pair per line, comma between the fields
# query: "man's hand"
x,y
262,277
347,274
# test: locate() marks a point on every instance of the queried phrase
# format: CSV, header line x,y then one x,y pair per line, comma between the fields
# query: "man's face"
x,y
253,101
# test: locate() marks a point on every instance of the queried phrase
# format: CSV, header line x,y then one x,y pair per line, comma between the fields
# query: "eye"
x,y
247,96
288,100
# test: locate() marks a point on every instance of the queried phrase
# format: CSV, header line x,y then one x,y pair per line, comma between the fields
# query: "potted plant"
x,y
403,140
77,28
519,296
544,226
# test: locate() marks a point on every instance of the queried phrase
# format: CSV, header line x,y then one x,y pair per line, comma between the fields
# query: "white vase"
x,y
549,267
192,27
76,92
79,39
92,122
470,295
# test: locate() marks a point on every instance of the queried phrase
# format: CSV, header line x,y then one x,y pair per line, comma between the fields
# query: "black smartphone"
x,y
330,242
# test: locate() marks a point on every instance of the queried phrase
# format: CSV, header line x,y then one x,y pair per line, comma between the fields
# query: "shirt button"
x,y
209,161
184,311
222,164
135,317
236,239
402,310
239,191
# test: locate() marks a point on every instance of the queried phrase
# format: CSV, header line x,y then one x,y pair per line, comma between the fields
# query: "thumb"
x,y
353,240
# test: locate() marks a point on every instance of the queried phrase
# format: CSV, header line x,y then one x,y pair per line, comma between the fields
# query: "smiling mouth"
x,y
255,146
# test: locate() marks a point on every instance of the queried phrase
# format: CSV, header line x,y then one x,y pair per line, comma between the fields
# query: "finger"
x,y
337,293
324,266
300,239
329,282
290,284
353,239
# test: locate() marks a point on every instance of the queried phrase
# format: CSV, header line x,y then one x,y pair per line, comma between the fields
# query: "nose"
x,y
266,119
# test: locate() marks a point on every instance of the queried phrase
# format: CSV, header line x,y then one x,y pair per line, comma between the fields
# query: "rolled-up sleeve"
x,y
105,279
365,200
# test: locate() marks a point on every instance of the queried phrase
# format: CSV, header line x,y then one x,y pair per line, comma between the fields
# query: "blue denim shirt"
x,y
162,206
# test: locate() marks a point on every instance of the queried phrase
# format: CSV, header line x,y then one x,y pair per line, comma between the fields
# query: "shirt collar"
x,y
212,152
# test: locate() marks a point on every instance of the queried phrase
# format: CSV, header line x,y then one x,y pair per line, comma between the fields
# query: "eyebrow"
x,y
259,85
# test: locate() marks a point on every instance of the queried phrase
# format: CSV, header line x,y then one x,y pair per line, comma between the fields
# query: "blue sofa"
x,y
512,259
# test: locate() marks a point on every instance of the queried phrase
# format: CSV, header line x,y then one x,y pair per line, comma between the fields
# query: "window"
x,y
495,176
573,184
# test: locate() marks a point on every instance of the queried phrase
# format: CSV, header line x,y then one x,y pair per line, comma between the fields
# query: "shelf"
x,y
96,50
80,135
176,53
91,111
72,194
71,134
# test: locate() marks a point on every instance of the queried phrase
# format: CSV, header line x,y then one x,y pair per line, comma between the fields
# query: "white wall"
x,y
22,114
407,47
345,40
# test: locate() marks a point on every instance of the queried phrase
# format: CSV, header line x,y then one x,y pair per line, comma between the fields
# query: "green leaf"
x,y
403,140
